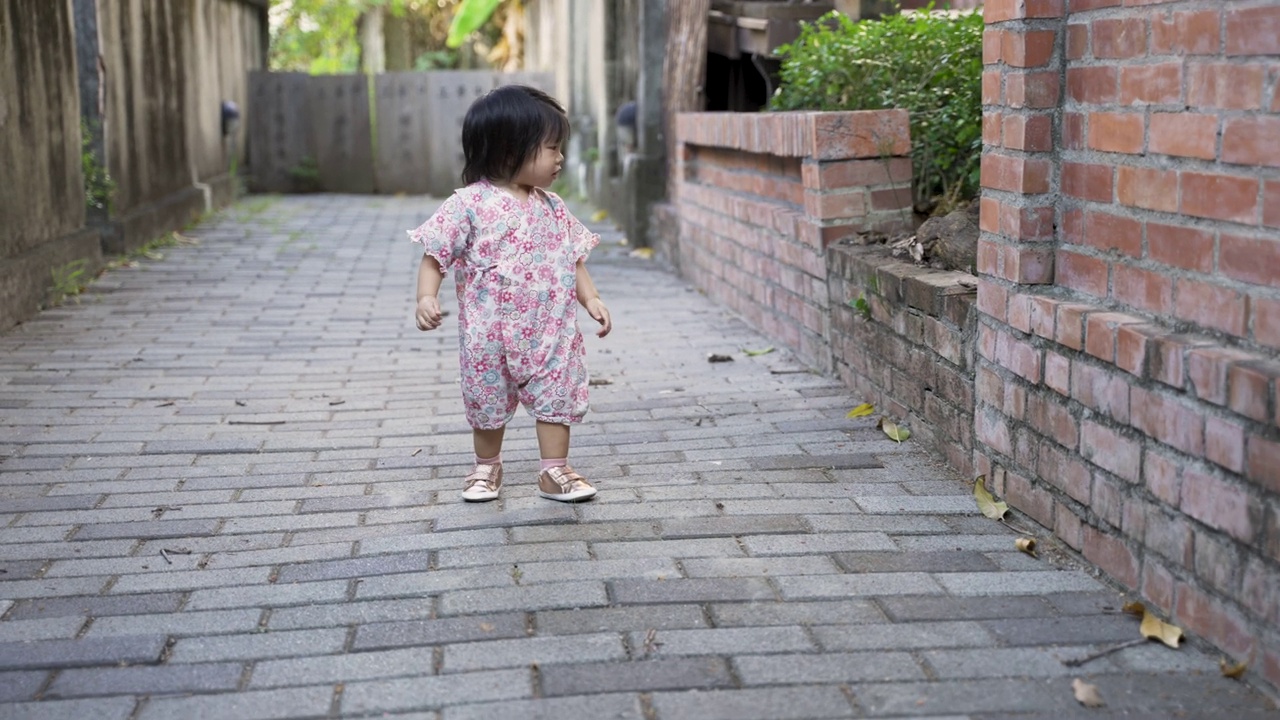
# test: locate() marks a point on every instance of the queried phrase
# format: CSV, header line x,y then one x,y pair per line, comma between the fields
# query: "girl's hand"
x,y
597,310
428,315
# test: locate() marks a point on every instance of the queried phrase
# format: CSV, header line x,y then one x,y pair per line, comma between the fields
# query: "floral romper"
x,y
516,274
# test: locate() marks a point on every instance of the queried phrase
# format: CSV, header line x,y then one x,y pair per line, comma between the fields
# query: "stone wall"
x,y
1130,297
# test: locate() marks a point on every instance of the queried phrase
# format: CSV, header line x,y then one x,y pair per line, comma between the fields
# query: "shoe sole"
x,y
480,498
568,497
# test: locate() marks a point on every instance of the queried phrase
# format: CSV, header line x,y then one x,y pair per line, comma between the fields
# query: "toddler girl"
x,y
519,259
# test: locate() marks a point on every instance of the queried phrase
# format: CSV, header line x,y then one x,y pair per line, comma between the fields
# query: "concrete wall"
x,y
153,98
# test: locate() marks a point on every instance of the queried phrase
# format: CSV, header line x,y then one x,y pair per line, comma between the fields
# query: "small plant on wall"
x,y
98,185
927,63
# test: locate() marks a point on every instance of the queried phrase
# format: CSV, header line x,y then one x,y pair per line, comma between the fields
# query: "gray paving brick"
x,y
432,541
44,551
145,680
86,652
353,613
1079,630
826,668
364,566
259,645
815,543
262,705
700,547
547,596
951,541
683,528
797,462
903,636
1087,603
828,612
96,709
40,534
1010,662
649,675
511,554
412,633
433,582
616,706
597,532
648,510
52,628
622,619
364,502
722,641
143,564
281,555
942,607
190,580
861,585
385,696
708,492
1038,698
759,567
96,606
1023,583
466,518
892,524
809,702
51,587
212,622
183,498
45,503
789,506
692,590
18,686
564,571
493,654
276,595
147,530
940,561
346,667
290,523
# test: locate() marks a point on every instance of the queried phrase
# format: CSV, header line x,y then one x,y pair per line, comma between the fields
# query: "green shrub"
x,y
929,65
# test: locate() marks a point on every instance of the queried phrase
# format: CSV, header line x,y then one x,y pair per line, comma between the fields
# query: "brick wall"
x,y
762,196
1129,303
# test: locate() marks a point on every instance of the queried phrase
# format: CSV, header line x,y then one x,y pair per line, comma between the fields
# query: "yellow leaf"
x,y
1135,608
754,353
1153,628
599,215
1026,545
862,410
1233,671
893,431
1086,694
986,503
644,253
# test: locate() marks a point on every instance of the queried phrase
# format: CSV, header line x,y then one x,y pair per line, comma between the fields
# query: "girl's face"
x,y
543,168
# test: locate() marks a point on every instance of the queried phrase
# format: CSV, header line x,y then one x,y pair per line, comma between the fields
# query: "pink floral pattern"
x,y
515,268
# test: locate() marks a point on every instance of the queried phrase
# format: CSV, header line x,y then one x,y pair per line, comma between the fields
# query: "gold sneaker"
x,y
563,484
483,483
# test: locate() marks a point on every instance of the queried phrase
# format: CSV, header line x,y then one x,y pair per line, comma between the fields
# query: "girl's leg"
x,y
488,443
553,441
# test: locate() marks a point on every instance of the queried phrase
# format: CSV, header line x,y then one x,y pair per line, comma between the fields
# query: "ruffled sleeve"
x,y
447,234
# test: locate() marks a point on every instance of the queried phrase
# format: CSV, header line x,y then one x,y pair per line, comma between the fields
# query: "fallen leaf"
x,y
1026,545
415,452
717,357
644,253
893,431
862,410
986,503
1086,694
1234,671
754,353
1153,628
595,382
486,627
599,215
1135,608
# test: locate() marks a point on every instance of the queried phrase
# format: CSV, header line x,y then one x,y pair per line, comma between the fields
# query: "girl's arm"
x,y
589,297
428,315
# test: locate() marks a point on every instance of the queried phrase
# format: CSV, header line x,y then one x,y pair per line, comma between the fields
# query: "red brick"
x,y
993,300
1149,188
1262,462
988,388
1083,273
1220,197
1073,133
1050,417
989,214
1119,38
842,174
1224,443
1022,358
991,430
1087,182
1015,174
1043,312
1100,333
1217,564
1057,373
1028,50
1211,306
1077,40
1117,132
1251,141
1079,6
991,87
1094,85
1028,265
1032,90
1260,591
1101,389
995,11
1223,86
1070,325
1019,313
1131,348
1253,31
1027,223
1151,84
1184,135
992,46
1157,585
1067,526
1142,289
1271,201
1162,477
1015,402
991,128
1266,321
1065,471
1106,500
1169,535
1178,246
1249,389
1166,419
1209,618
835,205
1113,232
1112,555
1207,369
1034,501
1222,505
1186,33
1031,133
1110,451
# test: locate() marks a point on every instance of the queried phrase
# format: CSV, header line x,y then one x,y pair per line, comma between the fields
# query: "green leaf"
x,y
986,503
471,16
754,353
894,431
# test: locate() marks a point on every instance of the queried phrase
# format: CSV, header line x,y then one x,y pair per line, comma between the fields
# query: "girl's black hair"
x,y
504,129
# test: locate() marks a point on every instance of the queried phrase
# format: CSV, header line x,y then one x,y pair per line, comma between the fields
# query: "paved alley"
x,y
229,488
